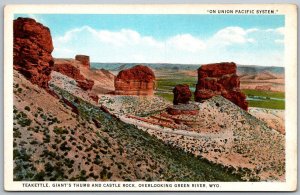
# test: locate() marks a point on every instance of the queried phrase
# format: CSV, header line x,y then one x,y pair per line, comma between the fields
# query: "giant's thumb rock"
x,y
138,80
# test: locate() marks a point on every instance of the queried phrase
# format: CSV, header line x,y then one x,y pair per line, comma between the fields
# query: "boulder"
x,y
182,94
138,80
220,79
85,60
32,48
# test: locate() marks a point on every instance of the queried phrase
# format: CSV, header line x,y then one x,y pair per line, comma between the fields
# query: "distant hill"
x,y
253,69
242,69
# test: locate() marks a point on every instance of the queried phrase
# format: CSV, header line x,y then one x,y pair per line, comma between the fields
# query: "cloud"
x,y
279,30
126,43
186,42
233,35
233,43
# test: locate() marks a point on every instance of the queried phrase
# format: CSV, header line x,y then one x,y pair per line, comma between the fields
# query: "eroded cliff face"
x,y
32,48
85,60
68,69
138,80
220,79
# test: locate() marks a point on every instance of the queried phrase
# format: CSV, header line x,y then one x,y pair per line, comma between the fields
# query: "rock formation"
x,y
32,47
220,79
94,97
138,80
182,94
183,109
71,71
85,60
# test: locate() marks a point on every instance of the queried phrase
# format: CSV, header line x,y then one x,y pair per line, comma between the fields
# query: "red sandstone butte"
x,y
66,68
85,60
32,48
220,79
138,80
182,94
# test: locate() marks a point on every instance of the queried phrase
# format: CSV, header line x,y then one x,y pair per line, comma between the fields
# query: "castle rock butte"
x,y
220,79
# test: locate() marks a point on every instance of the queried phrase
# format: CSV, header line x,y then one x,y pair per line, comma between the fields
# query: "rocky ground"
x,y
133,105
273,118
221,133
70,85
53,141
103,79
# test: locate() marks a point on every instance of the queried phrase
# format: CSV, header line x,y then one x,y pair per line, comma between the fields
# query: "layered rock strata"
x,y
183,109
71,71
32,48
138,80
220,79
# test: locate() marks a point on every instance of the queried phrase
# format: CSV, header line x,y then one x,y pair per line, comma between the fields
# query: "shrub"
x,y
64,146
59,130
17,134
24,122
39,176
33,142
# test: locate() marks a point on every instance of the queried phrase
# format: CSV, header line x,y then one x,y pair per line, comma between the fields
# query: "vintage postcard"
x,y
150,97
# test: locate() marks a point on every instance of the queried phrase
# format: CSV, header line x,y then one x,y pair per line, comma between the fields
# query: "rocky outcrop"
x,y
138,80
32,48
182,94
85,84
220,79
85,60
94,97
176,111
71,71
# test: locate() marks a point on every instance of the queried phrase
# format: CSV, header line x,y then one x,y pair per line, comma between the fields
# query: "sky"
x,y
164,38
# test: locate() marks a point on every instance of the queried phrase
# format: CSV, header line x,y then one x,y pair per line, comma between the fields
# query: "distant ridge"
x,y
242,69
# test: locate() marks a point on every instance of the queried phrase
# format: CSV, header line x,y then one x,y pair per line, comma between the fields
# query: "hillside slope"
x,y
70,139
221,132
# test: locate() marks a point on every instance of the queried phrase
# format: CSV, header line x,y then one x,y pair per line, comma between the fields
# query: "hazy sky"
x,y
197,39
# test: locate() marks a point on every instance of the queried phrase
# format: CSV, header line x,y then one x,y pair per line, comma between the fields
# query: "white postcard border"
x,y
290,12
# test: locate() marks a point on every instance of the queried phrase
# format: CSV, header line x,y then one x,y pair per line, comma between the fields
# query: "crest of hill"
x,y
264,75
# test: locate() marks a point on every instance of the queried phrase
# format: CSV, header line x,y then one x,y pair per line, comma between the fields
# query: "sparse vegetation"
x,y
73,149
